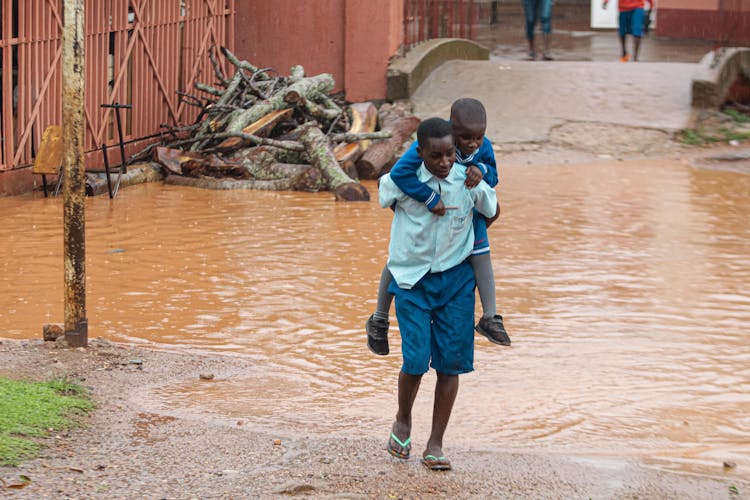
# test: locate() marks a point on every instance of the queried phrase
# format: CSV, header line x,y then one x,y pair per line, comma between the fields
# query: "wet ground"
x,y
573,39
623,284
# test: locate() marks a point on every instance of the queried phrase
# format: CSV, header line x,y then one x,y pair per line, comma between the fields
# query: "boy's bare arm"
x,y
492,219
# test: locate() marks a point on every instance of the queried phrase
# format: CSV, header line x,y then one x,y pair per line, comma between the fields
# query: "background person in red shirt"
x,y
630,22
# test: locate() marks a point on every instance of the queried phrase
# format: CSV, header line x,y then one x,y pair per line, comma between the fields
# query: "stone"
x,y
52,331
206,376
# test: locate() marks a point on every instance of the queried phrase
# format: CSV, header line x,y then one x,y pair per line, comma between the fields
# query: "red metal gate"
x,y
425,19
138,52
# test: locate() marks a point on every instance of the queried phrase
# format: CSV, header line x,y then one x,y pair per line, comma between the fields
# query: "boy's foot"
x,y
377,335
493,329
625,58
399,448
531,56
434,459
547,57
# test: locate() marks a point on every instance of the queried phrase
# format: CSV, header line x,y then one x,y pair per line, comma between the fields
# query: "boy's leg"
x,y
485,276
446,390
491,324
623,28
636,47
383,307
636,29
413,311
408,387
452,349
377,324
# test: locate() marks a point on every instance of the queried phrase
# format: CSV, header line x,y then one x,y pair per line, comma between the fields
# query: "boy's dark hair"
x,y
467,110
433,128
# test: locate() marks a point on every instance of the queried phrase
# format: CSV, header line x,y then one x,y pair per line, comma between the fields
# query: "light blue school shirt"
x,y
423,242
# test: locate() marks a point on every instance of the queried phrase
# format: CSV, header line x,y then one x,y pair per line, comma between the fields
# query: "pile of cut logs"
x,y
258,130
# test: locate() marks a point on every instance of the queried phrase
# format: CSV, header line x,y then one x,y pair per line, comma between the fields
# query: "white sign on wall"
x,y
601,17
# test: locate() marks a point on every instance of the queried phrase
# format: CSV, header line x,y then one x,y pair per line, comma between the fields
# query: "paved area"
x,y
525,100
585,82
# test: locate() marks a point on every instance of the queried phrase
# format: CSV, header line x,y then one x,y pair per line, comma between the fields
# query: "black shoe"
x,y
493,329
377,335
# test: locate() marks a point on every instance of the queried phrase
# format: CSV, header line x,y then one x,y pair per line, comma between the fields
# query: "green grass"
x,y
31,410
736,115
699,137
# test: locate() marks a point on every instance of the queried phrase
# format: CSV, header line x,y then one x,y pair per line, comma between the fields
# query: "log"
x,y
259,128
198,165
364,120
321,156
380,155
307,179
306,87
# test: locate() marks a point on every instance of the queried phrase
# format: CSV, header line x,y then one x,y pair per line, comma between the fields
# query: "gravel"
x,y
132,446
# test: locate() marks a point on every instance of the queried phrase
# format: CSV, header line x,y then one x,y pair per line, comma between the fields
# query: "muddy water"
x,y
624,287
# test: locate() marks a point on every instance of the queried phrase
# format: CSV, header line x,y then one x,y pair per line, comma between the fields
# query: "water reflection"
x,y
624,287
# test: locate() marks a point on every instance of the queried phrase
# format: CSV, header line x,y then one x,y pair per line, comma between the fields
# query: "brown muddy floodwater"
x,y
625,288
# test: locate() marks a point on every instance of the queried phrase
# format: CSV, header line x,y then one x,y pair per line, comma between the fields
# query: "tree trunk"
x,y
260,128
306,87
380,155
322,157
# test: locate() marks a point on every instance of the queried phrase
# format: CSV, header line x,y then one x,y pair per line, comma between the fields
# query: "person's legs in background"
x,y
530,8
546,20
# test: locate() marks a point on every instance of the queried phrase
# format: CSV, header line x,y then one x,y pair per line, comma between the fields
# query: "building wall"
x,y
725,21
283,33
351,39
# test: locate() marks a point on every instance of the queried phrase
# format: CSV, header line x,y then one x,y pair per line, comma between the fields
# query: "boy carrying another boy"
x,y
468,119
433,283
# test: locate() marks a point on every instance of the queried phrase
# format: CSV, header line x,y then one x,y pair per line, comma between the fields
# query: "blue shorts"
x,y
436,319
481,239
631,22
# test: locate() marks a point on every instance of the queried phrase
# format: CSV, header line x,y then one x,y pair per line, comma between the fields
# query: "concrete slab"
x,y
526,99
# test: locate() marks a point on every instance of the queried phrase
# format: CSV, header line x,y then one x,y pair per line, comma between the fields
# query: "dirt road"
x,y
132,449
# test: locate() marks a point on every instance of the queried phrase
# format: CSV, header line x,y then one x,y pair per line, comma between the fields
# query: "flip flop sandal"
x,y
436,463
405,447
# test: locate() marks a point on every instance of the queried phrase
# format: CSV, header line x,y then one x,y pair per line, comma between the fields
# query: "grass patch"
x,y
736,115
31,410
700,137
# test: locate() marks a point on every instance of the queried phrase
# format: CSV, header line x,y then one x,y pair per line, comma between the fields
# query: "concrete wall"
x,y
725,21
352,39
283,33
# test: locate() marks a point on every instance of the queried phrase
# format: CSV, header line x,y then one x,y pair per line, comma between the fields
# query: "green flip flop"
x,y
436,463
405,445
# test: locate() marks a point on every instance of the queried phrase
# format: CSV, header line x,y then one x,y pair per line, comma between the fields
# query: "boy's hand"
x,y
438,209
473,176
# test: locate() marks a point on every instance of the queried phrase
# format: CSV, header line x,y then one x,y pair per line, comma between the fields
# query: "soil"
x,y
128,448
132,447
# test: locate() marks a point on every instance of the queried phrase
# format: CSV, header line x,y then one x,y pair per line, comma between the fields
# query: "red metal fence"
x,y
138,52
425,19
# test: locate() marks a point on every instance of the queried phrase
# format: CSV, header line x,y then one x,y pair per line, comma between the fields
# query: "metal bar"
x,y
472,16
106,170
74,183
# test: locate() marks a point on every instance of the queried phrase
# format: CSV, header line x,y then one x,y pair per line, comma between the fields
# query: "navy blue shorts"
x,y
481,238
631,22
436,319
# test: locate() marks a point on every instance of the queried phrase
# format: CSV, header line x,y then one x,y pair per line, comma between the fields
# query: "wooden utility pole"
x,y
74,175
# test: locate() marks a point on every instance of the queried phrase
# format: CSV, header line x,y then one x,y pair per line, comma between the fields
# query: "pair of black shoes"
x,y
377,333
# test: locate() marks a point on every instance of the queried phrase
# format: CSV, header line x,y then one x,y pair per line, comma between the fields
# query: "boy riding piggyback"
x,y
468,120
